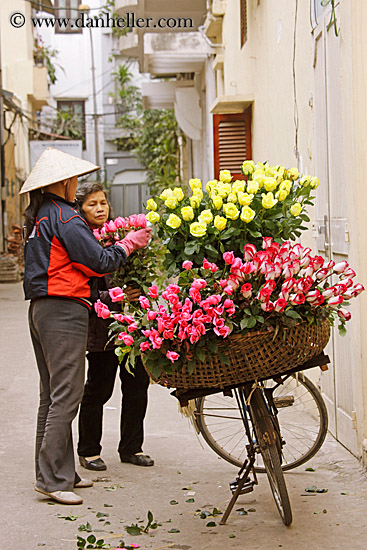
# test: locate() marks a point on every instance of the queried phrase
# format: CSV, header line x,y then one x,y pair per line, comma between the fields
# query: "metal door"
x,y
331,228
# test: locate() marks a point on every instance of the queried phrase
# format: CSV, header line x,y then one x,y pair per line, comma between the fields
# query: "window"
x,y
71,115
67,9
243,8
232,142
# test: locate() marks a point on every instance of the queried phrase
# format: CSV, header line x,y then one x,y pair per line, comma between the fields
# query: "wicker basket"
x,y
255,356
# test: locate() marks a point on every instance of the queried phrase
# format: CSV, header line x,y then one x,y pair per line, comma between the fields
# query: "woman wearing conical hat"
x,y
62,259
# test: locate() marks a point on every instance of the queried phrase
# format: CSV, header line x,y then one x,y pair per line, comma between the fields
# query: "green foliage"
x,y
43,55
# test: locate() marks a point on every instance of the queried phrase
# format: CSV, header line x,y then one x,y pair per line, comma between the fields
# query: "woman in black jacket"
x,y
103,365
62,262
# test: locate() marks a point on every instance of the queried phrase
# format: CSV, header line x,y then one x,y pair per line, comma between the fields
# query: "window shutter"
x,y
232,142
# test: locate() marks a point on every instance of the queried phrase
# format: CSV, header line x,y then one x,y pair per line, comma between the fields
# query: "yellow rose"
x,y
253,187
165,194
206,216
260,166
280,173
153,217
270,183
305,181
295,209
270,171
217,202
198,193
187,213
238,185
224,189
232,197
195,183
248,167
247,214
293,173
259,178
211,185
178,193
195,201
225,176
198,229
268,200
286,186
231,211
173,221
245,199
281,195
151,204
220,222
171,202
314,183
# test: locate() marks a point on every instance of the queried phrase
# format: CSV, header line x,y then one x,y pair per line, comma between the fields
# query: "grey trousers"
x,y
59,335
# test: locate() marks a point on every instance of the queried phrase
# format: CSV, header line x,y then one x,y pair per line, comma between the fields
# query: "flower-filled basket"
x,y
244,305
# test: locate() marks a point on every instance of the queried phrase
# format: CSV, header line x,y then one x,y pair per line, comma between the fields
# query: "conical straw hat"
x,y
53,166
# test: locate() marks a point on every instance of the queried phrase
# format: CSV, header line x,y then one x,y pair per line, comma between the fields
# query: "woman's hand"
x,y
132,294
135,240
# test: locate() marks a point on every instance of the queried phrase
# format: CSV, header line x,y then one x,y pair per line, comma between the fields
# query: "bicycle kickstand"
x,y
242,485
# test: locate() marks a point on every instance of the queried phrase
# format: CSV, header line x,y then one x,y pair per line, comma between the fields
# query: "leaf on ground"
x,y
190,500
108,505
174,531
113,487
232,536
211,524
85,527
102,515
321,490
69,517
345,493
310,470
173,502
133,530
311,489
251,510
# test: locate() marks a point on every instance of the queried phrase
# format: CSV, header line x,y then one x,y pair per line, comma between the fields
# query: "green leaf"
x,y
211,524
243,323
191,366
174,531
292,314
133,530
310,470
251,322
190,500
92,539
102,515
200,353
173,502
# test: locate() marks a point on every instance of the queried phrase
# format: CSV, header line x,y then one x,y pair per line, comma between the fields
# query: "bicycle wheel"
x,y
267,438
302,417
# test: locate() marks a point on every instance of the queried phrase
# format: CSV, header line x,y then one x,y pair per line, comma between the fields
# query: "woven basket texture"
x,y
254,356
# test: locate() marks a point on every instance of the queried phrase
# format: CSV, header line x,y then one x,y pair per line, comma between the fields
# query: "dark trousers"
x,y
98,390
59,337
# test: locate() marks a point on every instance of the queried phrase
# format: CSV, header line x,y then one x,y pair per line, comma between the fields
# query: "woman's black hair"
x,y
30,213
87,188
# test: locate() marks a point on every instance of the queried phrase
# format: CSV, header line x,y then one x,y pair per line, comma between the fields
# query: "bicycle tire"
x,y
235,458
267,437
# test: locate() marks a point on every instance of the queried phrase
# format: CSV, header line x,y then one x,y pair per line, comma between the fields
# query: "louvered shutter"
x,y
232,142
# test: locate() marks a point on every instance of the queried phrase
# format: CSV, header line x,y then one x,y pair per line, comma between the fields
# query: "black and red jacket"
x,y
62,256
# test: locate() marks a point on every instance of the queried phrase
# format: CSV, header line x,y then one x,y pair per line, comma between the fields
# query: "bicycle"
x,y
300,412
258,411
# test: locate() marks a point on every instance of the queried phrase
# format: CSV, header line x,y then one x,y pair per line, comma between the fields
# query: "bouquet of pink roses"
x,y
142,268
269,289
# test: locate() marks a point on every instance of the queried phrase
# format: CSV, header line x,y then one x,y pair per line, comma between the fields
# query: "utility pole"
x,y
83,8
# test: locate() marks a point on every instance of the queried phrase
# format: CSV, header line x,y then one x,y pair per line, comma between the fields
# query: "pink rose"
x,y
153,292
133,220
248,268
335,301
228,290
297,299
318,262
172,356
116,294
101,310
132,327
187,265
228,303
144,302
141,221
126,338
340,267
315,298
264,294
223,283
228,257
199,284
267,306
249,251
96,234
267,242
144,346
151,315
246,290
195,295
344,314
206,264
357,289
280,305
120,223
348,273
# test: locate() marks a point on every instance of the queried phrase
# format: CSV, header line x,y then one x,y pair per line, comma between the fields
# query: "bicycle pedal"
x,y
246,488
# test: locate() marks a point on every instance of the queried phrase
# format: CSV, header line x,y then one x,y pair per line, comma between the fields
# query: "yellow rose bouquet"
x,y
270,201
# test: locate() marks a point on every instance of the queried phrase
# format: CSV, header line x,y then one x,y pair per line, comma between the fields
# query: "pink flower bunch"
x,y
115,230
282,276
187,314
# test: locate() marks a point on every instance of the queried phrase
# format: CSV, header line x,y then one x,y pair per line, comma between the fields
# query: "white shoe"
x,y
83,484
65,497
